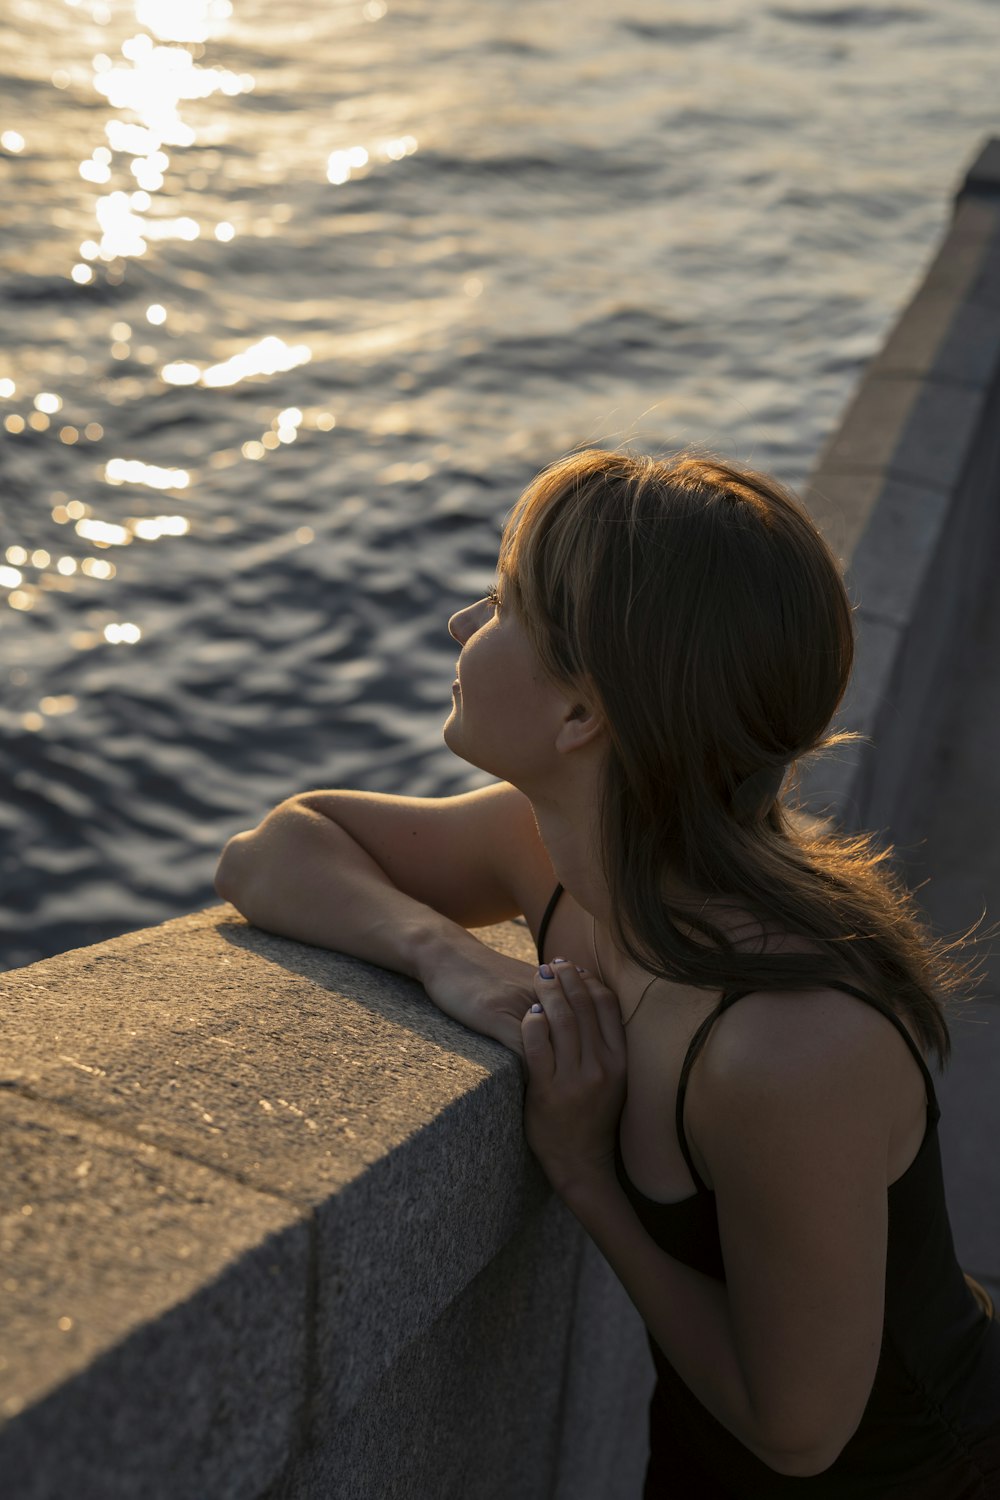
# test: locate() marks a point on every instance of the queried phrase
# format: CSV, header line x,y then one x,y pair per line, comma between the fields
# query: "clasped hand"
x,y
575,1055
572,1052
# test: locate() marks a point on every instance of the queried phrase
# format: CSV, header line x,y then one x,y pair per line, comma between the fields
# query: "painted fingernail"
x,y
546,972
536,1009
558,960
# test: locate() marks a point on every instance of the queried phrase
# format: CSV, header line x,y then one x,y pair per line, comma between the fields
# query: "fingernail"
x,y
536,1009
558,960
582,971
546,972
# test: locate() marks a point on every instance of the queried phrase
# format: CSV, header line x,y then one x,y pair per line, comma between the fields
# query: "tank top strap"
x,y
694,1047
698,1039
546,919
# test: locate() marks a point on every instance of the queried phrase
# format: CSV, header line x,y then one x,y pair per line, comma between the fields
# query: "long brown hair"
x,y
704,611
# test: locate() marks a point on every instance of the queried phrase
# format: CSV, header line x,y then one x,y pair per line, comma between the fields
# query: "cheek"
x,y
487,692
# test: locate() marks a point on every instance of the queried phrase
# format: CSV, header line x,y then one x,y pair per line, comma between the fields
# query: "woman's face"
x,y
505,712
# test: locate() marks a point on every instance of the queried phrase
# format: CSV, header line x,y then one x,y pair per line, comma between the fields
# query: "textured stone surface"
x,y
954,859
289,1066
912,429
391,1254
871,428
152,1320
958,342
984,174
891,562
942,433
604,1446
330,1083
543,1358
906,491
841,505
278,1195
965,266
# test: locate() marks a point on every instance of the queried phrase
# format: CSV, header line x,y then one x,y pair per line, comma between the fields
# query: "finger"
x,y
537,1044
577,989
606,1010
559,1015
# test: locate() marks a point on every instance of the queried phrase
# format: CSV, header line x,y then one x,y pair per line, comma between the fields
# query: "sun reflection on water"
x,y
356,161
183,20
142,186
149,84
270,356
133,471
103,533
122,634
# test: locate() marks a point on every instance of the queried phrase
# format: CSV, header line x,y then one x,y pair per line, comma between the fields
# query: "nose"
x,y
455,626
463,623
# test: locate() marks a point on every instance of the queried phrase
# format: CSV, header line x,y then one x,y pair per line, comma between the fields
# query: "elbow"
x,y
802,1463
244,874
230,873
800,1455
801,1431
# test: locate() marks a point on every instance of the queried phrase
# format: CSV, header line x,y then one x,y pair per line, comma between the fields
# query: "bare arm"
x,y
793,1118
441,863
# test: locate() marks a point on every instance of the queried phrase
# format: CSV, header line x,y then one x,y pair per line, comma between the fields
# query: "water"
x,y
295,301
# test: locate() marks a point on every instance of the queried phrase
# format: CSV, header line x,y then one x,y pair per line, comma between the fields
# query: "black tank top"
x,y
931,1428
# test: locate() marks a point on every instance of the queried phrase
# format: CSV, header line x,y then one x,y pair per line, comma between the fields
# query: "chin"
x,y
451,735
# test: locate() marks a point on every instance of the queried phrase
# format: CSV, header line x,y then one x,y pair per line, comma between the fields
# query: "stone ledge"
x,y
247,1053
154,1310
983,177
907,491
258,1172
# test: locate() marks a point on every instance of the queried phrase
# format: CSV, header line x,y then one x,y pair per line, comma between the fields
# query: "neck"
x,y
569,830
571,840
570,834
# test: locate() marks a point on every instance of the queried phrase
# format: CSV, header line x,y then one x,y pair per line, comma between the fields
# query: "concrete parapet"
x,y
907,490
271,1227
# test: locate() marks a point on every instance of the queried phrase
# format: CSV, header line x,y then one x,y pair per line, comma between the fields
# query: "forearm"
x,y
299,874
688,1315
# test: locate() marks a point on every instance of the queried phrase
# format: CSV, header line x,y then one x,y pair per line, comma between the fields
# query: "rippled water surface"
x,y
297,298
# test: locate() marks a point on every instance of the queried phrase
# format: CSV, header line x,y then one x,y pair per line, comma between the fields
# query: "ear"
x,y
582,725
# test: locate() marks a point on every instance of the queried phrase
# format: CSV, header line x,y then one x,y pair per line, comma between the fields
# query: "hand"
x,y
485,990
576,1062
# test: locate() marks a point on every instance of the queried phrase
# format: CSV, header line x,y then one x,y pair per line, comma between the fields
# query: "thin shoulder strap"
x,y
546,918
697,1042
694,1047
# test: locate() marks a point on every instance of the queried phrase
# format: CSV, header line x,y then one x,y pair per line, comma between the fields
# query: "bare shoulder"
x,y
820,1057
801,1032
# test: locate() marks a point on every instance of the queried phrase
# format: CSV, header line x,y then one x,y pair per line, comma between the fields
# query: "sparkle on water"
x,y
304,263
154,74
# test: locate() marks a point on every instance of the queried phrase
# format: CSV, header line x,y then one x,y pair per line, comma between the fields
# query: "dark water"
x,y
296,300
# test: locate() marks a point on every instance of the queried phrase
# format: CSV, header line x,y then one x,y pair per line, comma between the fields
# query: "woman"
x,y
726,1050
